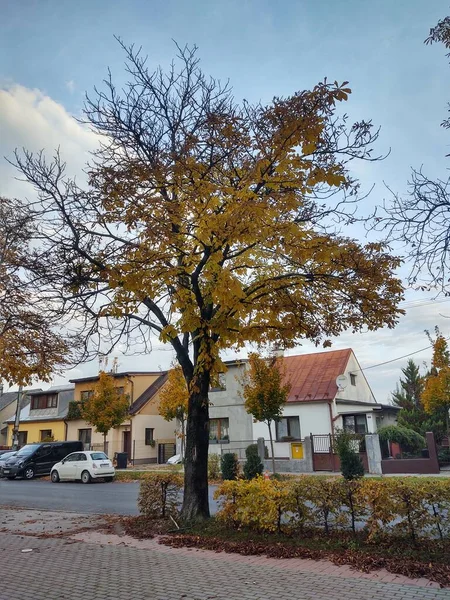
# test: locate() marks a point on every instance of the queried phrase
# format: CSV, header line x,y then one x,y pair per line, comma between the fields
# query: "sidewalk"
x,y
95,566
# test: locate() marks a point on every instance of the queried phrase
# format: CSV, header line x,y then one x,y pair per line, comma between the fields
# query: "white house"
x,y
316,405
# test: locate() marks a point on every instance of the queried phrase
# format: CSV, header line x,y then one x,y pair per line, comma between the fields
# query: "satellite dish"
x,y
341,382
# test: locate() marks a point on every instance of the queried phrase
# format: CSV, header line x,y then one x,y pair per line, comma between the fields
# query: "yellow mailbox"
x,y
297,450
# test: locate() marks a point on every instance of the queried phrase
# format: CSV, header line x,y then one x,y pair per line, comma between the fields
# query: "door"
x,y
68,469
81,464
43,460
127,443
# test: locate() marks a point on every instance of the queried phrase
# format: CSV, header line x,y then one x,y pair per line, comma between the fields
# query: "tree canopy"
x,y
265,391
436,392
106,408
173,400
29,346
210,223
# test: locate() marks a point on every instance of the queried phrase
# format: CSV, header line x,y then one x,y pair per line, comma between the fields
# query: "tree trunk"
x,y
105,444
271,446
183,437
195,500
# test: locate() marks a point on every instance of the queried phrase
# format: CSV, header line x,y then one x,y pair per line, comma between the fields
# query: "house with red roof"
x,y
328,391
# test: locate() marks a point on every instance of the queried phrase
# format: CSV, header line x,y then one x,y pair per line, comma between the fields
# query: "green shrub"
x,y
347,445
253,449
159,495
229,466
253,466
408,439
213,466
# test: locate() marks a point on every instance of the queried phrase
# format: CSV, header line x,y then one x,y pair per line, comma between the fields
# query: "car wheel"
x,y
108,479
28,473
54,477
85,477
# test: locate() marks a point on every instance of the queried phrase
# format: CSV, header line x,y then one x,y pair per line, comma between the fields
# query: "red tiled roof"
x,y
313,376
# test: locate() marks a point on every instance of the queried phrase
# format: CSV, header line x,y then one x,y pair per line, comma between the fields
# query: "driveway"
x,y
96,498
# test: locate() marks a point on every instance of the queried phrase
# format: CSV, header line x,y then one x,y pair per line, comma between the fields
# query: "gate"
x,y
165,451
322,451
324,459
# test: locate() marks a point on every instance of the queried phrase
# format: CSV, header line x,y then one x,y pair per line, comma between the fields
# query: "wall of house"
x,y
361,391
34,429
164,433
6,413
229,404
314,418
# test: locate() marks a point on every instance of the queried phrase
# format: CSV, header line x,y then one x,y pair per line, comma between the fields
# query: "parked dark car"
x,y
38,459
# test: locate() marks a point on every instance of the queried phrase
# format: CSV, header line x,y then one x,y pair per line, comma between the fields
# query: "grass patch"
x,y
131,475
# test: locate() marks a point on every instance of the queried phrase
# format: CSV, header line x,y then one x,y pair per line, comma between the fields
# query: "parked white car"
x,y
83,466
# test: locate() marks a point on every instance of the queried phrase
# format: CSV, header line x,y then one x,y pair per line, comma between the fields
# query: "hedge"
x,y
159,495
414,508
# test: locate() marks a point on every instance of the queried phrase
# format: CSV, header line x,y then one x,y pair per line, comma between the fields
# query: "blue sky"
x,y
52,51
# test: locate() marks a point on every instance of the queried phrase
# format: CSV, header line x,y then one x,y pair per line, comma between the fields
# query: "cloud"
x,y
70,85
31,119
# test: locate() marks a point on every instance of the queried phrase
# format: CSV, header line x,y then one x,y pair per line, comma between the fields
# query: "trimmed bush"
x,y
253,449
412,508
408,439
229,466
213,466
347,446
159,495
253,466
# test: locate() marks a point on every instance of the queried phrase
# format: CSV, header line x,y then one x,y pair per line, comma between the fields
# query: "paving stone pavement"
x,y
69,569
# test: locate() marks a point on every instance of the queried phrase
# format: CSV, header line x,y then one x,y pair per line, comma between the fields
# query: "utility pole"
x,y
15,437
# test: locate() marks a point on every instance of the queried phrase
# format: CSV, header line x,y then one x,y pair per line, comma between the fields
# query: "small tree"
x,y
106,408
351,464
229,466
253,466
265,392
436,393
174,400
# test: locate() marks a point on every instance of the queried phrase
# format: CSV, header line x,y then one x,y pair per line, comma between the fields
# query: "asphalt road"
x,y
96,498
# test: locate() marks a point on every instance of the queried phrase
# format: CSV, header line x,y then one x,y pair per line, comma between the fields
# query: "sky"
x,y
53,51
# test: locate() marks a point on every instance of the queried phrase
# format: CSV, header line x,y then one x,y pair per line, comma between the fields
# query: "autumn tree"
x,y
265,392
210,223
436,392
107,407
420,219
30,348
173,403
408,397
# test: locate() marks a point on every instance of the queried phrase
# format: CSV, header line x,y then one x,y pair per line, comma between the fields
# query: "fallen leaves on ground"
x,y
359,561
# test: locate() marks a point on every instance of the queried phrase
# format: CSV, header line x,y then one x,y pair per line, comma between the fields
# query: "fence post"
x,y
373,450
261,449
134,452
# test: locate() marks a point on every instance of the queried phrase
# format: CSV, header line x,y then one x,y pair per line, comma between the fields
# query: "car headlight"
x,y
20,463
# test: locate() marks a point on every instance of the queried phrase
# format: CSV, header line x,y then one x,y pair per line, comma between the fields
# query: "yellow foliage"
x,y
436,391
174,396
106,408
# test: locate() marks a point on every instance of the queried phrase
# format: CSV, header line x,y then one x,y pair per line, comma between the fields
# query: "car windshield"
x,y
28,449
99,456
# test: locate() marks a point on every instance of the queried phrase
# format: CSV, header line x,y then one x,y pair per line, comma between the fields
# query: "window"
x,y
86,394
149,440
84,435
352,378
82,456
45,434
218,430
288,428
72,457
221,384
355,423
99,456
23,435
44,401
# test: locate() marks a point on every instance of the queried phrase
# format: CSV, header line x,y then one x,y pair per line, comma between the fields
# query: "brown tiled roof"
x,y
313,376
148,393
